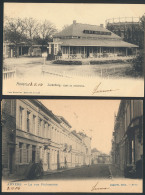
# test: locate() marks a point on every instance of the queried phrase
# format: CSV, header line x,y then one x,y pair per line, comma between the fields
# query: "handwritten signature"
x,y
98,188
98,91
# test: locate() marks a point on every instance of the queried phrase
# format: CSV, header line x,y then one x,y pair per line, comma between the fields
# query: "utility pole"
x,y
91,132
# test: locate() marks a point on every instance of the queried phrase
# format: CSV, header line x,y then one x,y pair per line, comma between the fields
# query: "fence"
x,y
8,73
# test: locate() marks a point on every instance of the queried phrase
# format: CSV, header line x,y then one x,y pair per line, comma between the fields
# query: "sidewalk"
x,y
16,178
115,171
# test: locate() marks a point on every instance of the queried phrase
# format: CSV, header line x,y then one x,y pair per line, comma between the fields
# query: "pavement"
x,y
93,171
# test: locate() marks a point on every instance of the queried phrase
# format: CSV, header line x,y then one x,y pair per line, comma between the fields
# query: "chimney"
x,y
101,25
74,21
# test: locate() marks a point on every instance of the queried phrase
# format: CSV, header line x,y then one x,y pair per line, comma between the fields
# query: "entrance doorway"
x,y
33,153
11,160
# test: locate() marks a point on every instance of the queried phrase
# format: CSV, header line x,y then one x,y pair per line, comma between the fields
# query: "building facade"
x,y
99,157
127,143
79,41
32,133
95,153
11,50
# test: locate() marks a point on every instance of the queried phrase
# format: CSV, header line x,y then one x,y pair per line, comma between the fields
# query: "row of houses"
x,y
127,143
78,41
31,132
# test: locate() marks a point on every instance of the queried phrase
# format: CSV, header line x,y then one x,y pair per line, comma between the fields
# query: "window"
x,y
48,131
12,107
33,153
40,127
56,135
28,121
55,51
40,150
21,152
34,123
43,130
27,153
21,117
96,32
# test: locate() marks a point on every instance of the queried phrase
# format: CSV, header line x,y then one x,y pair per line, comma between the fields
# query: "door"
x,y
33,153
11,159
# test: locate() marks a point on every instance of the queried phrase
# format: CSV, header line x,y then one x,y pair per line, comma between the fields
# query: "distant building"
x,y
95,153
87,143
127,143
99,157
88,41
31,132
11,50
104,158
128,28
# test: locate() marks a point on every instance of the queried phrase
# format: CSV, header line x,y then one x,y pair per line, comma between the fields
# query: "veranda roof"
x,y
97,43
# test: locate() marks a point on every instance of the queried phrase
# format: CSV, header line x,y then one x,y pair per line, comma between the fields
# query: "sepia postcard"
x,y
73,49
72,145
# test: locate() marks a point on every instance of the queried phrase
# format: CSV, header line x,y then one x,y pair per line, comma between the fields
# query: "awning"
x,y
97,43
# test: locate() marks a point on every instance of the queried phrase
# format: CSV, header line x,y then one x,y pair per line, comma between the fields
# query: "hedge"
x,y
108,61
67,62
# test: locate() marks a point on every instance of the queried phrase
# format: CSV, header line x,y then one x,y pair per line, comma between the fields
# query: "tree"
x,y
65,26
45,32
14,30
142,22
32,28
29,30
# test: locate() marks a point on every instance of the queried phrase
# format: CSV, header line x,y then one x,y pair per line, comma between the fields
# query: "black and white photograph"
x,y
73,49
72,145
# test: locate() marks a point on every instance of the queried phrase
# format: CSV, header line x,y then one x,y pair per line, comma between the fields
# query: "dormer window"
x,y
96,32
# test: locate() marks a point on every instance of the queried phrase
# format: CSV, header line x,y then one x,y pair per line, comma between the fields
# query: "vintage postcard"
x,y
72,145
68,49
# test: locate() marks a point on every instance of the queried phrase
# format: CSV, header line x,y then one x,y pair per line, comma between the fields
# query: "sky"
x,y
61,14
86,115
